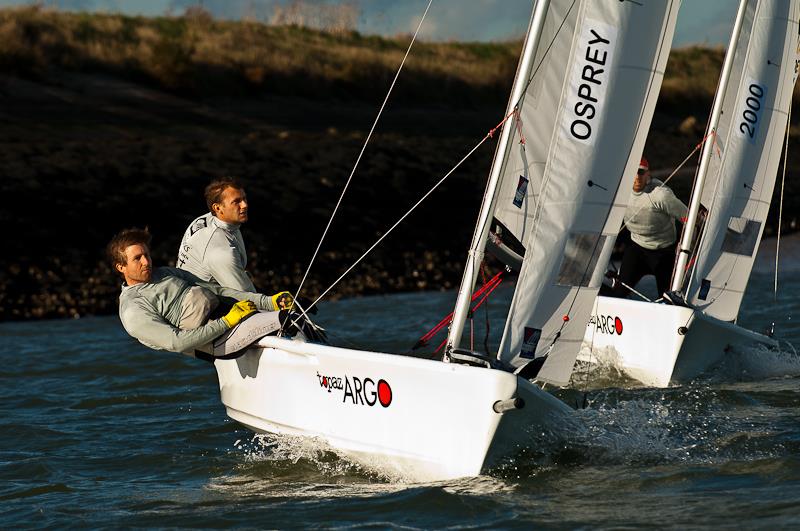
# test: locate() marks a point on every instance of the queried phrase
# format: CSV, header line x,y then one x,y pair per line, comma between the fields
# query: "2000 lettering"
x,y
750,115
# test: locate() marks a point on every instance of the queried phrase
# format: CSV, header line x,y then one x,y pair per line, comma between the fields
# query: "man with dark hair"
x,y
171,309
650,218
212,247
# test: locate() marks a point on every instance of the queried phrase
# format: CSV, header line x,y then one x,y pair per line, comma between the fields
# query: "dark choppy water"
x,y
99,431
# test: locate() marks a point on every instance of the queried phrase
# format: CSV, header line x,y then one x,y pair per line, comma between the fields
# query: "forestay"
x,y
567,174
743,168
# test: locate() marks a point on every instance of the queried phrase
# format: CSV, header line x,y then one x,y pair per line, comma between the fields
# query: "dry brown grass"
x,y
693,70
333,18
198,55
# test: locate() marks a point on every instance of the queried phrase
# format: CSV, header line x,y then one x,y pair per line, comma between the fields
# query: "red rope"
x,y
494,281
489,286
519,130
715,145
493,130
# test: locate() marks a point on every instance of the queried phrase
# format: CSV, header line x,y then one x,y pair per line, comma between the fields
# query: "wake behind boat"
x,y
579,111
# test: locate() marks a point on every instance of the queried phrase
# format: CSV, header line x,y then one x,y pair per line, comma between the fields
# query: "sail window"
x,y
705,287
741,237
580,259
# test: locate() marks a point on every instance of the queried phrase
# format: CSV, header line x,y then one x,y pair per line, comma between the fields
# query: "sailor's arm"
x,y
227,269
262,302
669,203
156,332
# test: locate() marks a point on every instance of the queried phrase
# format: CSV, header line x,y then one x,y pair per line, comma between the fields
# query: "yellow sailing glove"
x,y
240,311
282,300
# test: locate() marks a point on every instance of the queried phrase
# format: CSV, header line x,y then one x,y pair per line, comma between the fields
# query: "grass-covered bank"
x,y
96,136
198,56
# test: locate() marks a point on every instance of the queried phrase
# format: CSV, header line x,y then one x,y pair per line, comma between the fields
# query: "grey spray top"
x,y
651,216
214,251
151,311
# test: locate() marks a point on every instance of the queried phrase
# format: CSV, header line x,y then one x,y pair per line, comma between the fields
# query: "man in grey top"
x,y
650,217
212,247
171,309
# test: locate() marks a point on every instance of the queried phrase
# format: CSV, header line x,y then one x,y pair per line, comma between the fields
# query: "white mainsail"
x,y
592,105
743,168
524,161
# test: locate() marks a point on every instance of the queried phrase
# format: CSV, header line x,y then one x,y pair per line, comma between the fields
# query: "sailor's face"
x,y
138,267
641,180
232,207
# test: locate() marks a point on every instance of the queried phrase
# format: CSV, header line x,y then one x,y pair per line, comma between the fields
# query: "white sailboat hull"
x,y
437,422
660,344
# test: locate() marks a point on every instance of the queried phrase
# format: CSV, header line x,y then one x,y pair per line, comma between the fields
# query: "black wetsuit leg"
x,y
661,264
633,267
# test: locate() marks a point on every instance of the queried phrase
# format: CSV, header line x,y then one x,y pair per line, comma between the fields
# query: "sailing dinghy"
x,y
662,344
580,106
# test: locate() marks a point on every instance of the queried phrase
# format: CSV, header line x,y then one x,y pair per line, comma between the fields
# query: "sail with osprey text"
x,y
579,132
744,164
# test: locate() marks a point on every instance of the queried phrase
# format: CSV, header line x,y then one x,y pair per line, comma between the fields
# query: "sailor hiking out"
x,y
171,309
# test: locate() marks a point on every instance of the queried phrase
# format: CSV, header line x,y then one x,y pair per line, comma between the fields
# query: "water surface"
x,y
97,430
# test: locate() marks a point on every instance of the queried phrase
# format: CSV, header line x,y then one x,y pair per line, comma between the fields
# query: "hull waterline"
x,y
660,344
417,419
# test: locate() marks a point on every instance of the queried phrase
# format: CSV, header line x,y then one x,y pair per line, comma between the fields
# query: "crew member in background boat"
x,y
650,218
171,309
212,247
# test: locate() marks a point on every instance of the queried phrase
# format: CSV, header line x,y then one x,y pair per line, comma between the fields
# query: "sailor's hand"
x,y
282,300
240,311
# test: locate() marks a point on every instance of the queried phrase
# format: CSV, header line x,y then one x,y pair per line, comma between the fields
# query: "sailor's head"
x,y
227,201
642,176
129,254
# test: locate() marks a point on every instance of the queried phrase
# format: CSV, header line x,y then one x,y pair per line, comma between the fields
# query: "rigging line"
x,y
404,216
566,319
516,108
783,189
702,234
363,149
474,308
496,279
544,55
546,180
677,169
488,330
538,211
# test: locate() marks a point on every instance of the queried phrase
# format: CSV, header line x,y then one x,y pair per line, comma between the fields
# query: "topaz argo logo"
x,y
358,390
607,324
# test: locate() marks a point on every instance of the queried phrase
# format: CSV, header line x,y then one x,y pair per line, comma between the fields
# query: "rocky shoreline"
x,y
85,155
